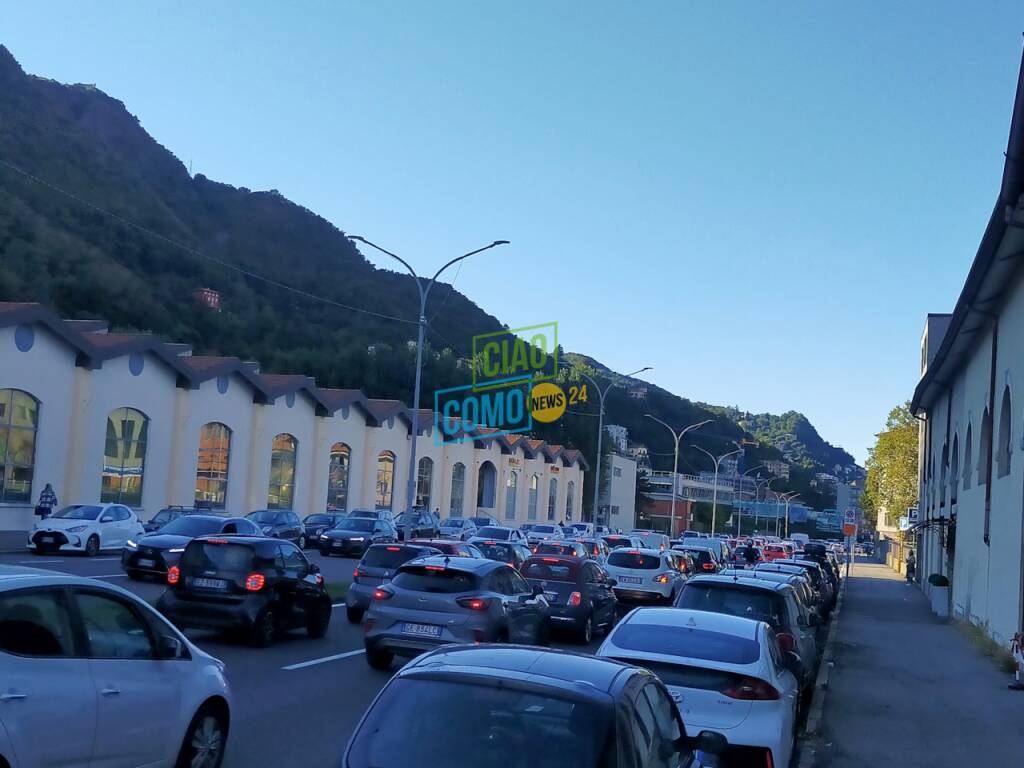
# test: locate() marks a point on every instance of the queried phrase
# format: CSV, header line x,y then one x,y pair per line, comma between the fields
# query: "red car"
x,y
450,547
775,552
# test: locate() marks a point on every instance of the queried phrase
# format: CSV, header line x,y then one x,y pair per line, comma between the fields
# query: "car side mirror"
x,y
791,661
107,519
537,590
170,647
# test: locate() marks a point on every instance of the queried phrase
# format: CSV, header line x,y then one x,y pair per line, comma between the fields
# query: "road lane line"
x,y
336,605
102,559
324,660
107,576
38,561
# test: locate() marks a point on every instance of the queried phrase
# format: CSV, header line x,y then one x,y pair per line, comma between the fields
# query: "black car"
x,y
566,548
354,535
154,553
262,586
580,710
280,524
578,591
377,566
425,525
512,552
167,515
319,522
704,559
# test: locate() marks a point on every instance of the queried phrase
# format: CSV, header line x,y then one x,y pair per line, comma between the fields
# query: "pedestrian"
x,y
911,566
47,501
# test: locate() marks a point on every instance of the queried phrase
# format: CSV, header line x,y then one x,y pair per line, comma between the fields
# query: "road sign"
x,y
850,516
849,529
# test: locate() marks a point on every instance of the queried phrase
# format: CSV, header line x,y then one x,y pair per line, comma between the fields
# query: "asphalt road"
x,y
295,703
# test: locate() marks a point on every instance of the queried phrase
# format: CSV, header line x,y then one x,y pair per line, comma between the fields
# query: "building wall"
x,y
620,494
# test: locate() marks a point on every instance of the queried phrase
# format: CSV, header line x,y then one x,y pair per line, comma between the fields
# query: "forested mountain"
x,y
98,220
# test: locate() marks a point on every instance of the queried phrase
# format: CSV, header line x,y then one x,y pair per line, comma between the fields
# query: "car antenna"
x,y
446,560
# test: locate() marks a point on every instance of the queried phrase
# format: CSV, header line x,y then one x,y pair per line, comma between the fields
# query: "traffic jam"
x,y
544,644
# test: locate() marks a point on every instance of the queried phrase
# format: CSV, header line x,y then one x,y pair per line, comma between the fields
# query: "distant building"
x,y
619,436
638,393
638,452
618,500
777,468
207,297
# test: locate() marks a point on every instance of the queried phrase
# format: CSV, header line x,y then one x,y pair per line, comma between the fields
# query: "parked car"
x,y
651,539
543,532
597,549
154,553
704,558
500,533
619,540
645,576
85,528
565,548
457,528
378,565
575,710
512,552
81,658
819,580
262,586
280,524
374,514
481,520
452,548
168,515
318,522
579,593
425,525
725,674
439,600
775,604
354,535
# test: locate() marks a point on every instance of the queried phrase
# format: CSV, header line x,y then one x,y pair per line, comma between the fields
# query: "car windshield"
x,y
453,522
437,579
411,724
79,512
264,517
495,550
690,642
543,529
220,558
390,555
622,559
492,532
190,525
544,570
319,519
162,516
760,604
356,524
618,541
700,555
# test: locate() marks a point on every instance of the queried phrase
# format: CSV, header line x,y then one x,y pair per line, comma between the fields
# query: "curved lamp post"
x,y
677,436
718,461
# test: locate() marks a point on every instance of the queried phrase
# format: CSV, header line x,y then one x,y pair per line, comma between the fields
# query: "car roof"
x,y
686,618
18,577
467,564
236,538
641,550
773,586
560,559
692,546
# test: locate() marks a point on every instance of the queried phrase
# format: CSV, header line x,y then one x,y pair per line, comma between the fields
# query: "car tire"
x,y
205,740
318,622
302,541
264,629
355,615
586,633
133,575
92,546
379,659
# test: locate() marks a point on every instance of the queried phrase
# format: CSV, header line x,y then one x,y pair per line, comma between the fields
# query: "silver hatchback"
x,y
439,600
646,576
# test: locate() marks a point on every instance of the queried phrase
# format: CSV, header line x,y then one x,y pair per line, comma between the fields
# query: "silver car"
x,y
438,600
645,575
542,532
461,528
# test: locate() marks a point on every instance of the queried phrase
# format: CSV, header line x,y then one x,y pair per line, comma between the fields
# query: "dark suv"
x,y
378,565
169,515
425,525
262,586
280,524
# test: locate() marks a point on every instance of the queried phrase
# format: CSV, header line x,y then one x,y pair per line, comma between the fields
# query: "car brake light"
x,y
709,566
550,559
751,689
383,594
574,600
216,541
356,574
490,543
474,603
787,643
434,567
173,574
393,549
254,582
662,579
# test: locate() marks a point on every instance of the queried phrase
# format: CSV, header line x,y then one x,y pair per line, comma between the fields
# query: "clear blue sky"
x,y
761,200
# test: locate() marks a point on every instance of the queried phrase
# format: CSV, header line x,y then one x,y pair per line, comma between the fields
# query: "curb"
x,y
812,729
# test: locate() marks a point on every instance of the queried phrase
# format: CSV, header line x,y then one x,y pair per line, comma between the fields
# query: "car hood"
x,y
344,533
60,524
163,540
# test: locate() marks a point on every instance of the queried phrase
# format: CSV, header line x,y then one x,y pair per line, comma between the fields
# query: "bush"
x,y
938,580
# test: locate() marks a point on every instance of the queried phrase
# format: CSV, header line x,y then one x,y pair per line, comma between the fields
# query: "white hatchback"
x,y
726,674
92,675
87,528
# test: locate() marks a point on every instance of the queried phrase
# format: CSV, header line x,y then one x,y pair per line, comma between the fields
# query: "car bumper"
x,y
643,595
758,731
141,561
55,541
359,596
569,617
386,632
207,614
334,547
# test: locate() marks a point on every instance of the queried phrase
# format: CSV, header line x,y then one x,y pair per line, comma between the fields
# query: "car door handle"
x,y
13,696
110,691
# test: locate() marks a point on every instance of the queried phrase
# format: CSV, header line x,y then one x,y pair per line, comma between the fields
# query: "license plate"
x,y
338,544
422,630
46,539
145,563
631,580
209,583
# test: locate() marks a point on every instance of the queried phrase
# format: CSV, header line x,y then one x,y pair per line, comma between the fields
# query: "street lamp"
x,y
789,498
718,461
424,289
677,436
600,433
739,509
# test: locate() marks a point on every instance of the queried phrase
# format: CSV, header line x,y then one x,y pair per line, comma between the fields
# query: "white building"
x,y
618,498
971,399
127,417
619,436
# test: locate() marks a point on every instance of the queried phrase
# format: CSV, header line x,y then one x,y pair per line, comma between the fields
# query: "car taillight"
x,y
550,559
751,689
254,582
662,579
574,600
787,643
173,574
355,575
393,549
709,566
383,594
474,603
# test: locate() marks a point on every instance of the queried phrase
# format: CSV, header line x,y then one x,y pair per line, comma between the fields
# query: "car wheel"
x,y
502,636
302,541
133,575
318,622
586,633
204,741
379,659
355,615
92,546
264,631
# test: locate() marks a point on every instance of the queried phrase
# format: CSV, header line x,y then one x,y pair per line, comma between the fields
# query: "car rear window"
x,y
733,600
490,532
426,579
391,556
222,558
193,526
618,541
620,559
495,550
700,555
687,641
555,549
543,529
547,571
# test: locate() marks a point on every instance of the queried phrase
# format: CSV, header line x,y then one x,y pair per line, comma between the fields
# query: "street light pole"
x,y
718,461
424,290
789,498
600,434
739,509
675,464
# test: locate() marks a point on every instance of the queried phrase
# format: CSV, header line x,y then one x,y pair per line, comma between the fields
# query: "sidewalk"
x,y
911,690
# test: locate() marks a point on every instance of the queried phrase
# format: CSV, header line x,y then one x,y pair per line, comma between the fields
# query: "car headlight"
x,y
131,544
357,538
324,537
267,528
177,550
77,529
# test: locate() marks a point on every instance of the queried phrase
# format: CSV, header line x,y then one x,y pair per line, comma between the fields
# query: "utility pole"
x,y
677,436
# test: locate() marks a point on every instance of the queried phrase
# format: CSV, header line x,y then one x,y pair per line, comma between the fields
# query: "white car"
x,y
726,674
651,539
543,532
88,528
498,533
645,575
92,675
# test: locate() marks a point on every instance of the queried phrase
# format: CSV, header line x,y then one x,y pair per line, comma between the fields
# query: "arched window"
x,y
337,477
124,457
531,512
510,495
954,470
458,489
943,474
424,481
385,479
968,468
212,467
281,492
485,488
19,417
1005,445
570,492
985,448
552,498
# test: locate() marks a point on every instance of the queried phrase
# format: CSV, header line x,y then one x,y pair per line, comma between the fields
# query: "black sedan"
x,y
579,592
511,552
154,553
280,524
318,523
354,535
425,525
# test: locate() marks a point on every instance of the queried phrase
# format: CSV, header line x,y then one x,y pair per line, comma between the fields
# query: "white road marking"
x,y
324,660
106,576
336,605
102,559
38,561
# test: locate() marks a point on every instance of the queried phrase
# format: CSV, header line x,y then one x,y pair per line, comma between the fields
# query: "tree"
x,y
891,483
643,490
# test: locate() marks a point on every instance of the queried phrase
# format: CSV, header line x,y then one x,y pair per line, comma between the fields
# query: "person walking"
x,y
911,566
47,501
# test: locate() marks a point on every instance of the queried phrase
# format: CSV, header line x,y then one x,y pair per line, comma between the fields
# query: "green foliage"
x,y
891,483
